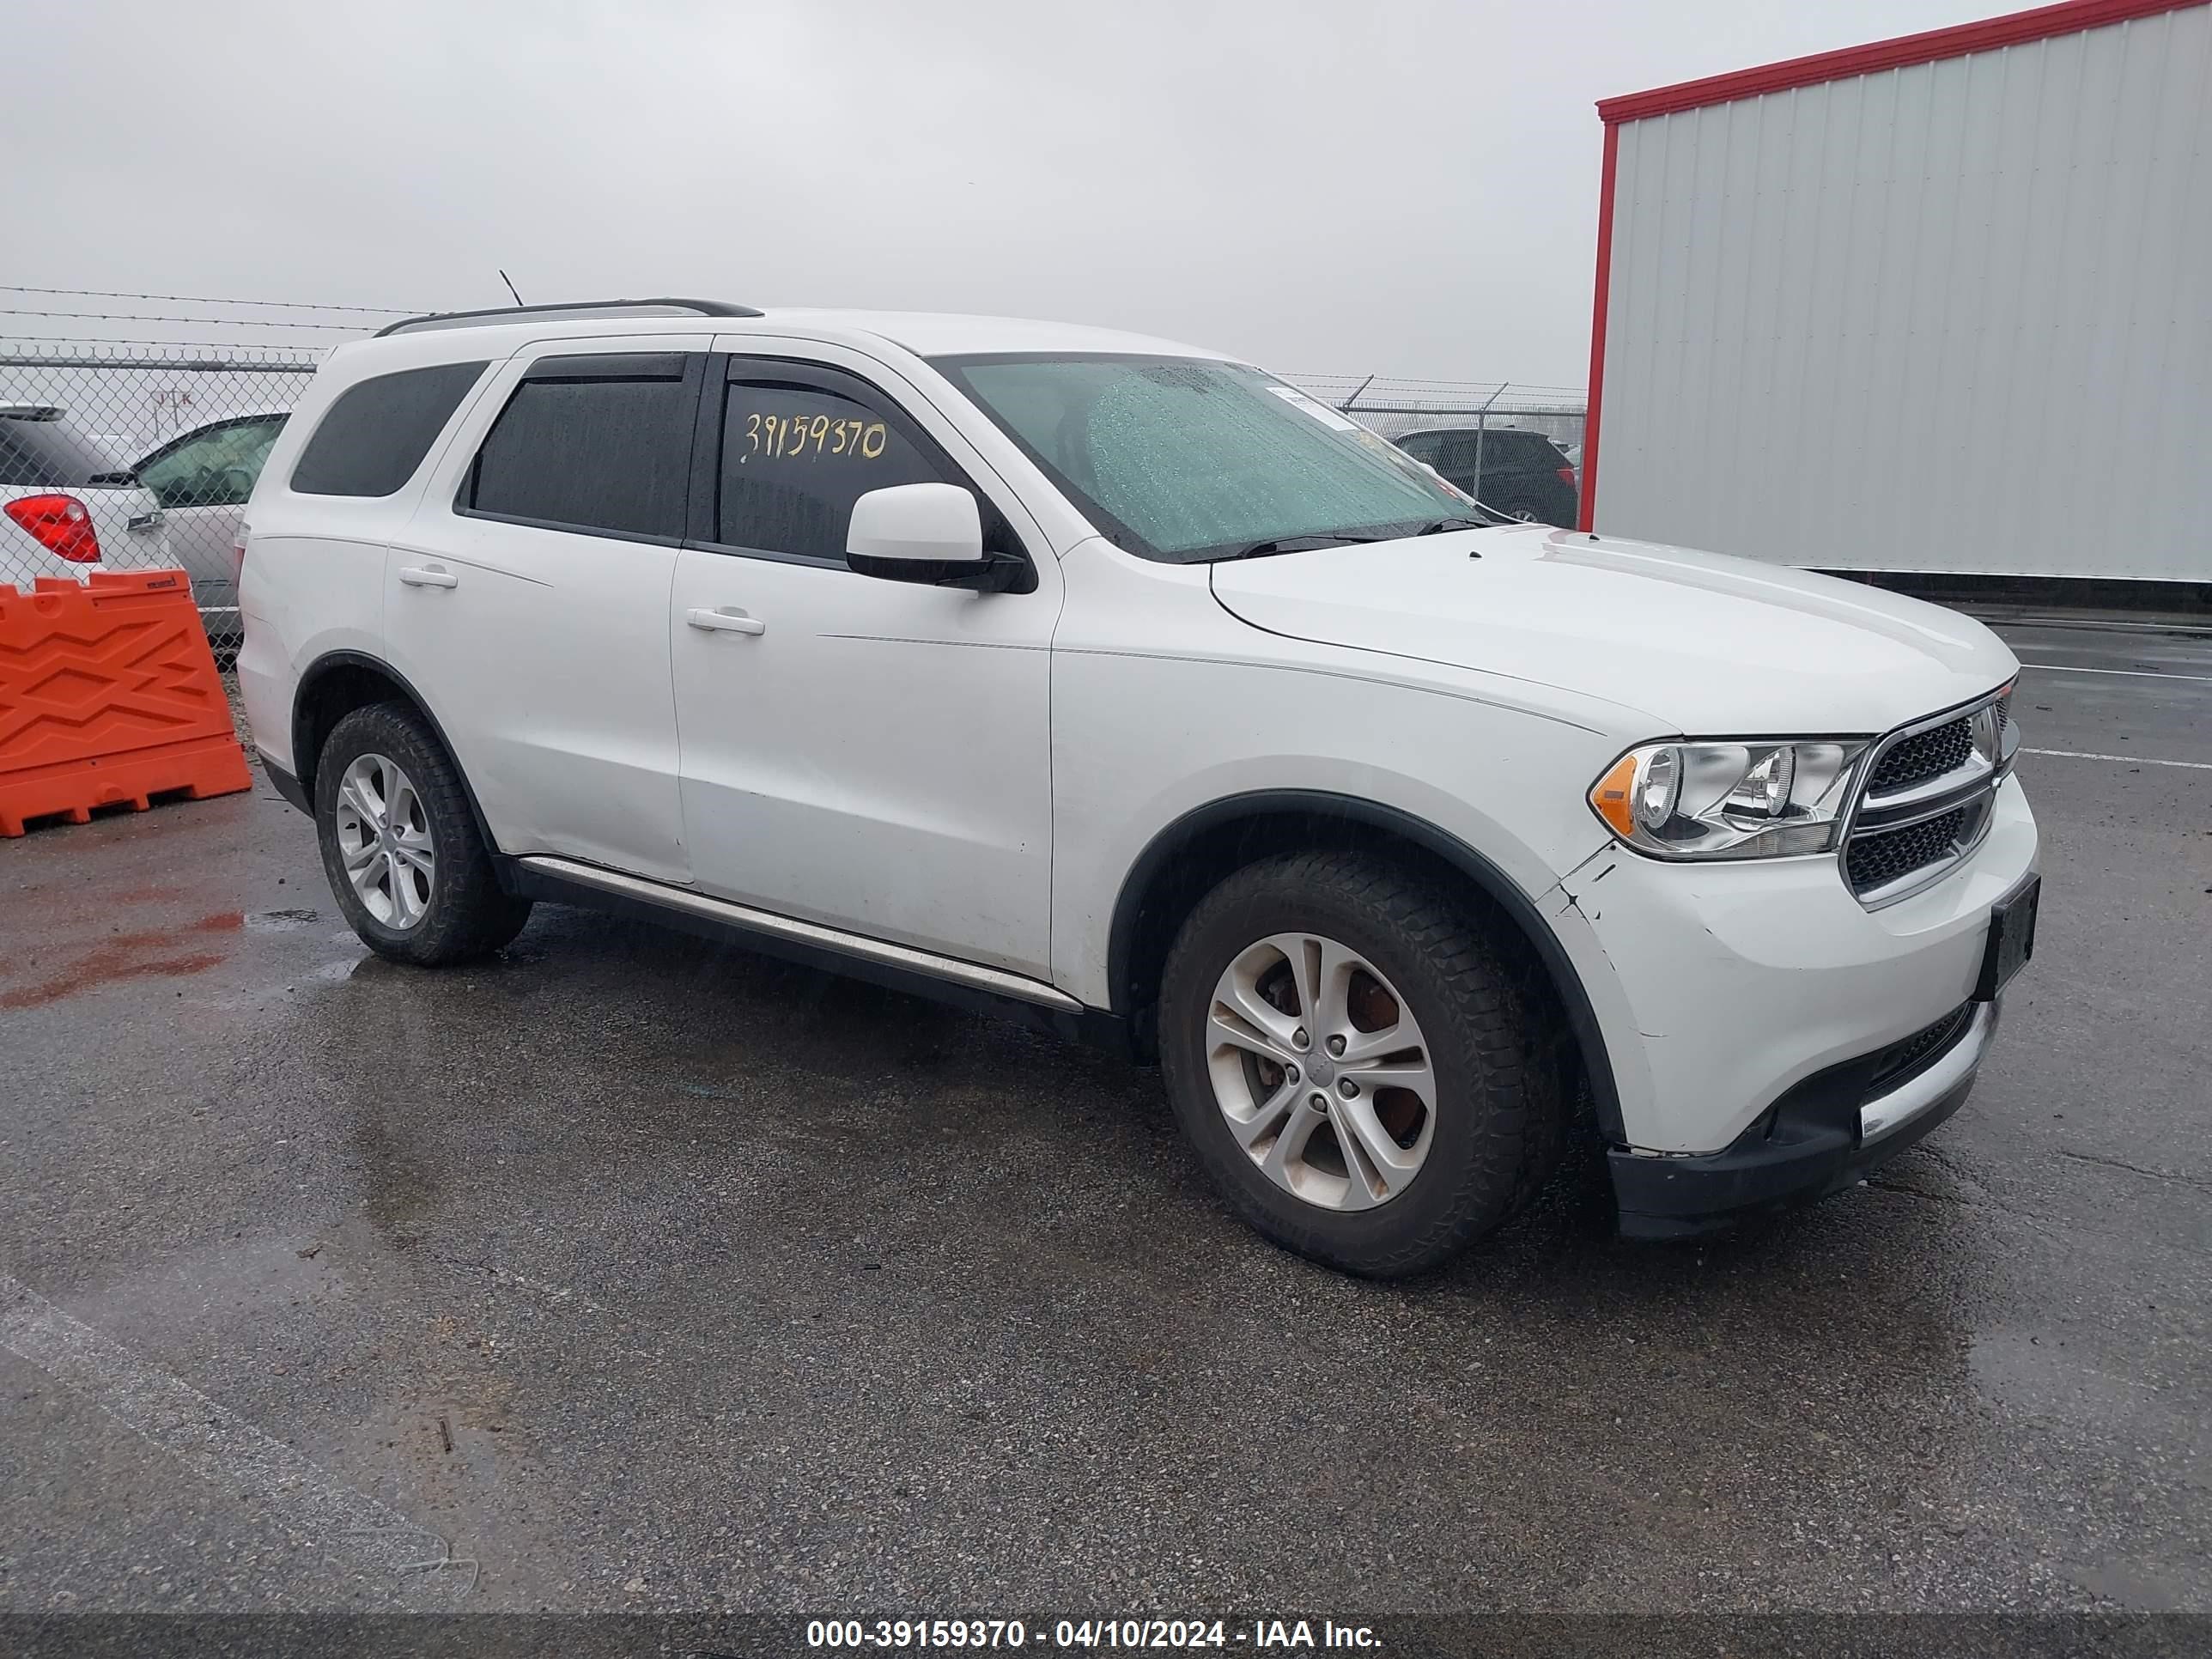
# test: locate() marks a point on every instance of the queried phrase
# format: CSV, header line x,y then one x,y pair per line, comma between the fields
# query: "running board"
x,y
766,923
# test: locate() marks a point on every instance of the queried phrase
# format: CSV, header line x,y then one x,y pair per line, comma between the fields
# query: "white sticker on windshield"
x,y
1319,411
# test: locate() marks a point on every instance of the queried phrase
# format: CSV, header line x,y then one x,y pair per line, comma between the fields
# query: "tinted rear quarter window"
x,y
46,450
597,444
377,432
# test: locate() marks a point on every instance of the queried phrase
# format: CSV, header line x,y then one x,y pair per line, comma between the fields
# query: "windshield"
x,y
1188,460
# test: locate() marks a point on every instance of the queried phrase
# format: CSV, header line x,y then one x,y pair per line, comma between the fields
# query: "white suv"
x,y
1120,685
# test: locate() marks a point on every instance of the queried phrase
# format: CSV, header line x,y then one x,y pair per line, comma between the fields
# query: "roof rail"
x,y
581,308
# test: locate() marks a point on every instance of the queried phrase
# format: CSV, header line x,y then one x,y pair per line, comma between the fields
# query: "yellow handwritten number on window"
x,y
789,435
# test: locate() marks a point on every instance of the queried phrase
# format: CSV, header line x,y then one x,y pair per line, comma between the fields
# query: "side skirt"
x,y
900,968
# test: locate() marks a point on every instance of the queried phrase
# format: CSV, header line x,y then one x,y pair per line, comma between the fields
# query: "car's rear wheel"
x,y
400,847
1359,1072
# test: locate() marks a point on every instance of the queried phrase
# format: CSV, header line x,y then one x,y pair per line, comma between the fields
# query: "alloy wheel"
x,y
1321,1071
384,843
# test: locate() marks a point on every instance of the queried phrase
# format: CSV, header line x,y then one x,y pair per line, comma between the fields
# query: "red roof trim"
x,y
2015,29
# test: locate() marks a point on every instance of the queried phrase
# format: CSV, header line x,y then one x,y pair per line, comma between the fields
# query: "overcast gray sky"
x,y
1409,188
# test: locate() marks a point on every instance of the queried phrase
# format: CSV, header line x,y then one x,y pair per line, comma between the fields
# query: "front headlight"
x,y
1729,800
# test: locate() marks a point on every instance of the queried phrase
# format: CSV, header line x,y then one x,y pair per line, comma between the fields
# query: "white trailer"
x,y
1940,304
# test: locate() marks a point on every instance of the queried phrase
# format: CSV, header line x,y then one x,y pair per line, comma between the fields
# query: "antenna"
x,y
509,281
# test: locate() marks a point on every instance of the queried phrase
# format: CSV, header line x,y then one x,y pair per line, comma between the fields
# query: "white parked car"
x,y
202,479
69,506
1120,685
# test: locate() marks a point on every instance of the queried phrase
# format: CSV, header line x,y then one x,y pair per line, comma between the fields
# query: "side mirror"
x,y
926,532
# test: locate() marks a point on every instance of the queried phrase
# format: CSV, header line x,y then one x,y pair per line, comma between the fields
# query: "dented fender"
x,y
1565,911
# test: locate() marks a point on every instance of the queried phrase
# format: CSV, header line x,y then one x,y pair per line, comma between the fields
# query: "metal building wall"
x,y
1951,317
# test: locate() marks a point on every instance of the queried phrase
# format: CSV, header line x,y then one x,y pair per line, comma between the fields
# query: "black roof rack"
x,y
578,308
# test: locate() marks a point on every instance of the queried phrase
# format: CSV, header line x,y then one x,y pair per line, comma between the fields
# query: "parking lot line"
x,y
2130,673
2096,624
2130,760
346,1525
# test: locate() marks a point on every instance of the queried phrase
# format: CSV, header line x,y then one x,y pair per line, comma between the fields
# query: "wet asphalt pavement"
x,y
629,1273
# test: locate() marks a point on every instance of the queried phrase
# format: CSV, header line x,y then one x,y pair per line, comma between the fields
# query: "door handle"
x,y
416,575
728,620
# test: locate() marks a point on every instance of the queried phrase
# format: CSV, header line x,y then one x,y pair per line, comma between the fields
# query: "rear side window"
x,y
216,467
1517,449
41,448
599,444
377,432
796,458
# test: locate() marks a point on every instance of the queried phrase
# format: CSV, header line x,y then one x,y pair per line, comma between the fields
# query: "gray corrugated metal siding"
x,y
1953,317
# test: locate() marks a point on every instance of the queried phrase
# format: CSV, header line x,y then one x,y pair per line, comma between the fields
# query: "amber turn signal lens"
x,y
1612,796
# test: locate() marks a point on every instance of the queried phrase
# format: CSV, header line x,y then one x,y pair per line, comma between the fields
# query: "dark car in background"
x,y
1523,474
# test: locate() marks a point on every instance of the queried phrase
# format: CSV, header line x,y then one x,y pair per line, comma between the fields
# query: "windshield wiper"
x,y
1437,526
1293,544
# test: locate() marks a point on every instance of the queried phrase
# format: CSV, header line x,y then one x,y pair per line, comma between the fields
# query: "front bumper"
x,y
1826,1133
1719,987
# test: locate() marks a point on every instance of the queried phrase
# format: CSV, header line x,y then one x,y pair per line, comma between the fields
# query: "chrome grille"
x,y
1929,754
1876,859
1927,802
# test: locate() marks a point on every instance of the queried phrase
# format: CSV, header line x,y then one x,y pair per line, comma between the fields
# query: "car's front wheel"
x,y
400,846
1358,1070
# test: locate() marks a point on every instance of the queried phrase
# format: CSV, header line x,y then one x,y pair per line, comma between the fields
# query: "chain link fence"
x,y
1515,447
121,456
131,454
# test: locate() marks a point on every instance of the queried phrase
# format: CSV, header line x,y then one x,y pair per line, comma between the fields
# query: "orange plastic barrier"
x,y
108,696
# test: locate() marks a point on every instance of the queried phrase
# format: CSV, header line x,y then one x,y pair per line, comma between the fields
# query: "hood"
x,y
1704,644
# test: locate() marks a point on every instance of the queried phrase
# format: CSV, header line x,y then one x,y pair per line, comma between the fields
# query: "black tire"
x,y
467,915
1501,1114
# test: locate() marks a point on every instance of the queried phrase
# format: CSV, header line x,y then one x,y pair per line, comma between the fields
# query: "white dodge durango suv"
x,y
1120,685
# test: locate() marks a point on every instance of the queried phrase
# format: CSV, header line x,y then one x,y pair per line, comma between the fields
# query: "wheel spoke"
x,y
401,886
358,858
413,850
1363,1187
1356,1121
1267,1116
1328,1004
1413,1075
1228,1029
1239,995
1363,1048
353,795
1291,1144
376,788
